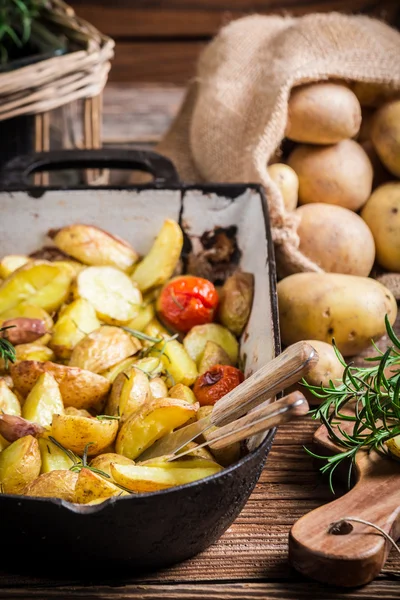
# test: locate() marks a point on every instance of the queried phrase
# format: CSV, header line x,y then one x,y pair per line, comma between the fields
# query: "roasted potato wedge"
x,y
34,351
91,486
153,421
198,452
224,456
75,433
394,446
182,392
113,294
152,365
186,462
158,388
43,401
30,312
19,465
11,263
122,367
95,247
80,412
12,428
104,348
213,355
75,321
236,301
72,265
103,461
23,330
195,341
130,391
9,403
79,388
54,484
145,315
37,283
53,458
139,478
159,264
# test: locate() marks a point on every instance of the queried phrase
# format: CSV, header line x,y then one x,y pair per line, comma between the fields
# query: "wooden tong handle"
x,y
285,370
269,416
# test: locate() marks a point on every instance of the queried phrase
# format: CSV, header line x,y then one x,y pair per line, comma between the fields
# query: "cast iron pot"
x,y
146,531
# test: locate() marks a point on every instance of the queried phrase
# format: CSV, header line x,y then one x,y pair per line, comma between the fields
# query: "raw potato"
x,y
336,239
37,283
224,456
19,465
381,174
288,183
323,306
213,355
95,247
74,322
91,486
54,484
322,113
158,388
160,262
382,215
103,348
53,458
44,400
385,136
76,432
79,388
103,462
112,294
180,366
153,421
143,479
197,338
328,368
11,263
130,391
340,174
373,94
236,300
182,392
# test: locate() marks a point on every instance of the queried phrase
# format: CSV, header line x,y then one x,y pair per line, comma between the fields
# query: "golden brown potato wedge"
x,y
54,484
11,263
9,403
150,423
122,367
159,264
75,321
195,341
182,392
104,348
37,283
75,433
236,301
79,388
158,388
394,446
95,247
152,365
53,457
77,412
30,312
142,479
198,452
103,462
130,391
72,265
34,351
113,294
19,465
23,330
224,456
145,315
43,401
91,486
213,355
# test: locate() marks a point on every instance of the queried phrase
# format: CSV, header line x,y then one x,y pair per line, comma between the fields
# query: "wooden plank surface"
x,y
250,560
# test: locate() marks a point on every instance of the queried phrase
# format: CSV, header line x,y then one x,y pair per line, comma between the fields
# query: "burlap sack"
x,y
235,111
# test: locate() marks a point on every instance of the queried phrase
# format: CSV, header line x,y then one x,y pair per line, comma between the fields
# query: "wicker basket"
x,y
81,74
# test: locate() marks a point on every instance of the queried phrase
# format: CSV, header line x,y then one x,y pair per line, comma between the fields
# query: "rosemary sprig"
x,y
373,395
7,350
141,336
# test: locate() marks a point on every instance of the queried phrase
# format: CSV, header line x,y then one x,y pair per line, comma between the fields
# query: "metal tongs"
x,y
229,413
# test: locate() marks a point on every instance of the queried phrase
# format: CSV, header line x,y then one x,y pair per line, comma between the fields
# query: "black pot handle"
x,y
15,173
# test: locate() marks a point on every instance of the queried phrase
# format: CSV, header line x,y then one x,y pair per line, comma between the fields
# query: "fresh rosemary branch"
x,y
140,335
373,395
7,350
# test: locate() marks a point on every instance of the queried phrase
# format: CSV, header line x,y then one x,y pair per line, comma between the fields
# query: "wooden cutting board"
x,y
356,554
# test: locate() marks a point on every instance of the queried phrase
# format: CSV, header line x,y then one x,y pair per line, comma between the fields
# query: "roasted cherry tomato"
x,y
187,301
215,383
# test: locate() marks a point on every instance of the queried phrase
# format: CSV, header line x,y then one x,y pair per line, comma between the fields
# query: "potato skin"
x,y
385,135
336,239
54,484
19,465
75,432
339,174
323,113
288,183
382,215
323,306
328,368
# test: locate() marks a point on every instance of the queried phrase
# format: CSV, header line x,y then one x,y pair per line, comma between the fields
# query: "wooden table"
x,y
250,560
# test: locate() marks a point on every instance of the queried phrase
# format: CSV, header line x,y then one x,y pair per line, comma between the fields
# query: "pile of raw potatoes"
x,y
344,174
